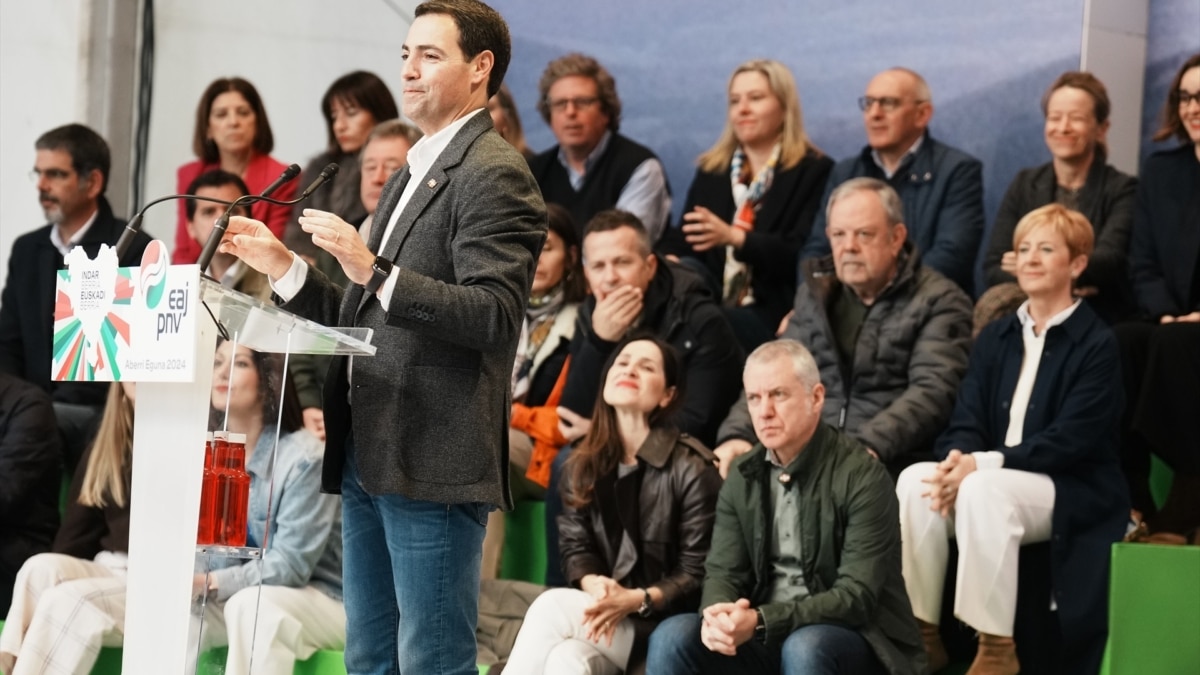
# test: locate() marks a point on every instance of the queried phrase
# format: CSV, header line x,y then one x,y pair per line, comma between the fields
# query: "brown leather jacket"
x,y
669,527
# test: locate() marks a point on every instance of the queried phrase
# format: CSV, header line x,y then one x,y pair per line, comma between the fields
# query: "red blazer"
x,y
262,170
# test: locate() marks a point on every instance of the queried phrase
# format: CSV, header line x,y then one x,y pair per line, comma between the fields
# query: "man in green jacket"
x,y
804,571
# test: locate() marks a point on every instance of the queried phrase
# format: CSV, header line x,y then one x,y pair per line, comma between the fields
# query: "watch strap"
x,y
381,269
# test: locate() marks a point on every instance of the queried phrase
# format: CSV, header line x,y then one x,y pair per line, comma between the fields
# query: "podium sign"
x,y
128,323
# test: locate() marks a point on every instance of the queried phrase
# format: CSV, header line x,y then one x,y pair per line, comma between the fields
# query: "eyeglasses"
x,y
580,103
1186,97
52,175
887,103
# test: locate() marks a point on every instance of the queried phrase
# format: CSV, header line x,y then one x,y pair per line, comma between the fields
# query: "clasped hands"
x,y
725,626
611,602
252,243
944,482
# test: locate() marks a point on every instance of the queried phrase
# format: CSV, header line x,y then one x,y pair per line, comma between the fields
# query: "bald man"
x,y
941,187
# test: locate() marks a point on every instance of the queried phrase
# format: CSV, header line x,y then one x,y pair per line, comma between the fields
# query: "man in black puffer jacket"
x,y
634,289
890,335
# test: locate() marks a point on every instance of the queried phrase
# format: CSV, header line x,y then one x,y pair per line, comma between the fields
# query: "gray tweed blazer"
x,y
429,412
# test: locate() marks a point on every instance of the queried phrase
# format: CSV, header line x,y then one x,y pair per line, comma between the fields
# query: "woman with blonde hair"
x,y
1030,455
69,603
753,201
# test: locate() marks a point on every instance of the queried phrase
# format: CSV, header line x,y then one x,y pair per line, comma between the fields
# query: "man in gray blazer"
x,y
417,436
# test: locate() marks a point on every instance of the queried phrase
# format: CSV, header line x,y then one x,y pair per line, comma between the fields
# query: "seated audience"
x,y
890,335
1159,358
298,607
306,369
753,200
593,168
1076,108
633,288
68,604
540,373
232,133
31,466
941,187
1029,456
71,173
804,571
507,120
352,106
640,500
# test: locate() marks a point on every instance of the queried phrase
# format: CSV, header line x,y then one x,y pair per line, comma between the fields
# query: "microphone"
x,y
327,173
135,223
218,231
287,175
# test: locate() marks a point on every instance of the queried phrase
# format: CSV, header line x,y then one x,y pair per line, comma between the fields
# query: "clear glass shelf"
x,y
229,552
267,328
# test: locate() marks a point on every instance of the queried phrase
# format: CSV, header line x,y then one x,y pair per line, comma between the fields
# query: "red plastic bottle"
x,y
233,494
207,526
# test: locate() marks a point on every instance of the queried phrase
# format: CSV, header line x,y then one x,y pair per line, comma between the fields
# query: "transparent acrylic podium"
x,y
171,422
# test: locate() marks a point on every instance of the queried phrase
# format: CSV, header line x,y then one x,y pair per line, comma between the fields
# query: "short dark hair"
x,y
205,149
363,90
480,28
89,152
613,219
562,224
214,179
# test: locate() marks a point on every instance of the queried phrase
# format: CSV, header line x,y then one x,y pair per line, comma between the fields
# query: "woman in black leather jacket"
x,y
640,501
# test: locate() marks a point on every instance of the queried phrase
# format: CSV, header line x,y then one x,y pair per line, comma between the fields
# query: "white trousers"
x,y
997,510
552,639
292,624
64,610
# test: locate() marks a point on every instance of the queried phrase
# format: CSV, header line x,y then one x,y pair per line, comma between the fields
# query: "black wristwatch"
x,y
381,269
760,627
647,606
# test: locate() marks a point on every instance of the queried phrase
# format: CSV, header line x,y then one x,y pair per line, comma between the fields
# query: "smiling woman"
x,y
1076,109
634,480
1029,456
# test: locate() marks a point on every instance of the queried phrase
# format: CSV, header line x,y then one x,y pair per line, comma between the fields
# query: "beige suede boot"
x,y
935,651
996,656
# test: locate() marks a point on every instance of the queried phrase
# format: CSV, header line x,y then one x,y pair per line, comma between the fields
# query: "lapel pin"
x,y
432,183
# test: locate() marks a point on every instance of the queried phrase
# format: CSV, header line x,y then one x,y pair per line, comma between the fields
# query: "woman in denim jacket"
x,y
300,607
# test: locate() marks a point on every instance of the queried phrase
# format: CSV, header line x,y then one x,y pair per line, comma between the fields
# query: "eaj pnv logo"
x,y
155,261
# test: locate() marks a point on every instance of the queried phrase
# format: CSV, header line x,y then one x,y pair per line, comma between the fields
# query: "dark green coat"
x,y
850,534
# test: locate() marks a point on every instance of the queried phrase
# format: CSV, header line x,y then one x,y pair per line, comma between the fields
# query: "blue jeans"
x,y
817,649
554,508
411,571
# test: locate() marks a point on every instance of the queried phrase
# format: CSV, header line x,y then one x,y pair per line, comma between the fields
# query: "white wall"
x,y
290,49
41,58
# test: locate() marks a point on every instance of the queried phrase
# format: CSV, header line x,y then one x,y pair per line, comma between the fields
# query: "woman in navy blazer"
x,y
1030,455
1160,357
753,200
